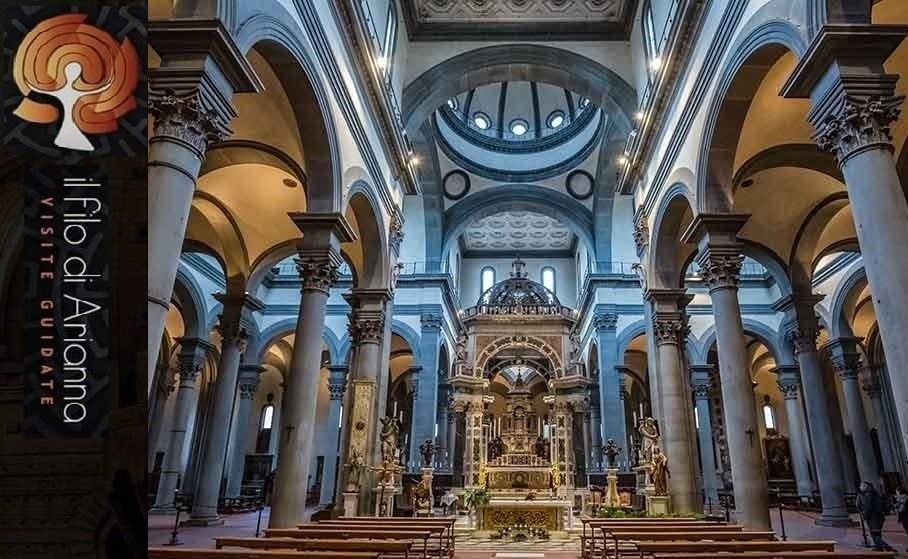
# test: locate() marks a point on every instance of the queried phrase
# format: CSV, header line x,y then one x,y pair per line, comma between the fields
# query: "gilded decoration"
x,y
535,517
363,394
525,478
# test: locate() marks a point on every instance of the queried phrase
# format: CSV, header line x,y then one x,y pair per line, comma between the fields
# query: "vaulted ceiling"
x,y
516,232
498,19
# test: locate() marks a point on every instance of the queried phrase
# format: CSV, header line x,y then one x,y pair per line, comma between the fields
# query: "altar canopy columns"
x,y
720,260
366,327
610,401
232,328
789,381
317,264
853,107
192,355
847,362
474,447
426,401
337,386
702,388
670,328
190,98
242,419
801,330
562,430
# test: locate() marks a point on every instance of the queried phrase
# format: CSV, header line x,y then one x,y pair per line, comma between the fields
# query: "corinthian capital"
x,y
802,338
670,328
184,118
720,268
857,124
366,327
318,272
396,235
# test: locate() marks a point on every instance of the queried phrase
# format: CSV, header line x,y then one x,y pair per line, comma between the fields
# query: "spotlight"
x,y
655,64
639,115
622,160
414,160
381,62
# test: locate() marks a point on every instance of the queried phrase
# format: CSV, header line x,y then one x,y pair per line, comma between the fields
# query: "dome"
x,y
518,290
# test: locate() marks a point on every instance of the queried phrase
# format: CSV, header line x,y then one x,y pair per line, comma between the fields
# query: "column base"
x,y
203,521
836,521
163,509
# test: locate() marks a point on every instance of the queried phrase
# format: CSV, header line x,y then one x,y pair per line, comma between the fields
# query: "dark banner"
x,y
66,302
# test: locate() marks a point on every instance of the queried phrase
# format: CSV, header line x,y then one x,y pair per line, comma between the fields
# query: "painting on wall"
x,y
778,458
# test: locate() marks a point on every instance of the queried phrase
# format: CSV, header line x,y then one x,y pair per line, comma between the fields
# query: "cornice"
x,y
396,146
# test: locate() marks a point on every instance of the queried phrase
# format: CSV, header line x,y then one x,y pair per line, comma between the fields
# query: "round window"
x,y
482,121
555,120
519,127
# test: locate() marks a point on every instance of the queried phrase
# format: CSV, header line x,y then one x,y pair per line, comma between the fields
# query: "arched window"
x,y
266,422
390,40
487,278
769,415
548,278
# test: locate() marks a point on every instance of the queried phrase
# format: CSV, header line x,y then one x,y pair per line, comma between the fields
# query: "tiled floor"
x,y
798,525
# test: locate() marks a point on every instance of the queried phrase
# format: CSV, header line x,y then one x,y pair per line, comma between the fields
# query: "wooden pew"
x,y
781,555
645,536
318,531
183,553
588,545
385,547
711,548
444,528
449,520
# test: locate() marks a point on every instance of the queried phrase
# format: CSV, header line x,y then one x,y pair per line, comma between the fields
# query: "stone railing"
x,y
520,310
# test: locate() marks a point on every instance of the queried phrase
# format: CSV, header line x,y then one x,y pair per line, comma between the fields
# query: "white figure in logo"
x,y
69,136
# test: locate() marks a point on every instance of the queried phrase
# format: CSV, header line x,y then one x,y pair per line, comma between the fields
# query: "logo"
x,y
76,80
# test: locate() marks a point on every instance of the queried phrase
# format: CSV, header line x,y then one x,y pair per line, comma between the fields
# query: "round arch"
x,y
518,197
532,342
281,44
752,56
762,332
839,325
286,326
668,255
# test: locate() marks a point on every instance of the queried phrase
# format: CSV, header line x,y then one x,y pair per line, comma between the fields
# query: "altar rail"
x,y
521,310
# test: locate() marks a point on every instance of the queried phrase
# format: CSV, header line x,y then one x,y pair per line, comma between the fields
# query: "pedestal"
x,y
351,503
611,493
657,505
385,496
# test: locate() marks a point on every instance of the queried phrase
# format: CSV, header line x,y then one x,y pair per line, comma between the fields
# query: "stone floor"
x,y
798,525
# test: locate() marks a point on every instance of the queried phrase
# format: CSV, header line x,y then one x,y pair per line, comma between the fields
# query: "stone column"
x,y
853,108
457,413
190,99
318,262
801,330
596,429
337,385
426,402
192,355
670,328
233,344
720,266
441,455
613,425
847,362
789,381
874,388
366,327
248,384
701,386
452,436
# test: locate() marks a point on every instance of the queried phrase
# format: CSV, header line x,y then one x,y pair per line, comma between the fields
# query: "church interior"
x,y
527,278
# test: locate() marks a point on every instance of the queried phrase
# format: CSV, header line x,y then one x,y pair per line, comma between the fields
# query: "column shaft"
x,y
187,399
337,383
789,381
233,343
701,384
242,420
860,430
830,477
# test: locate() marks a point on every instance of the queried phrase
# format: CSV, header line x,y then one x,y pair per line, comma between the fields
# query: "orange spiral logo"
x,y
82,66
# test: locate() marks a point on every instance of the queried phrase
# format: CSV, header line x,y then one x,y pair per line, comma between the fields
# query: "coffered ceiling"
x,y
517,231
498,19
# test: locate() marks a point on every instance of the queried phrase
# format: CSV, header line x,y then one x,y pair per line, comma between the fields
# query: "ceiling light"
x,y
622,160
381,62
414,160
639,115
655,63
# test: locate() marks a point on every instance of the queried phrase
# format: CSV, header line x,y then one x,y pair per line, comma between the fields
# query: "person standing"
x,y
901,507
870,505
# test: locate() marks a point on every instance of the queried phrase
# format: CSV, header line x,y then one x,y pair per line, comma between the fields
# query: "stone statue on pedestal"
x,y
355,468
611,452
659,472
649,433
389,431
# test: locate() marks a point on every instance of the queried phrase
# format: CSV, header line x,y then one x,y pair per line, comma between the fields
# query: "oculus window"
x,y
519,127
555,119
482,121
